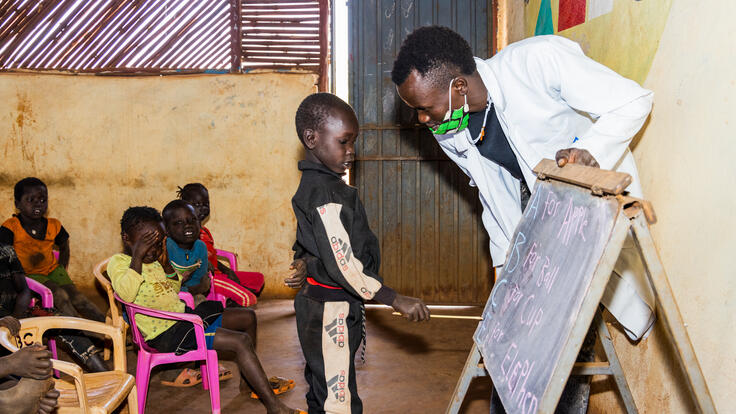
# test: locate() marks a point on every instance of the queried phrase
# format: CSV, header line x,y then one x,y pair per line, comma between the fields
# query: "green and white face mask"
x,y
455,120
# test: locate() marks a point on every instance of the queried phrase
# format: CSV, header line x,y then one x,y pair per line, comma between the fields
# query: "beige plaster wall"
x,y
682,50
686,160
105,143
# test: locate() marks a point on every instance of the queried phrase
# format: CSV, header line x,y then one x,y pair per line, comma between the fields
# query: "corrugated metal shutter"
x,y
424,213
162,36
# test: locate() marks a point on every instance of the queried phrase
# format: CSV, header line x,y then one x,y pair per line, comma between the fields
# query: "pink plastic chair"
x,y
233,264
47,301
149,357
215,295
232,260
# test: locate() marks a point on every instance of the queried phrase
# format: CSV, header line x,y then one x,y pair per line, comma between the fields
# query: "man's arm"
x,y
619,105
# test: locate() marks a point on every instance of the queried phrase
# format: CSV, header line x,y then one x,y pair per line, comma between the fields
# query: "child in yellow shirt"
x,y
143,275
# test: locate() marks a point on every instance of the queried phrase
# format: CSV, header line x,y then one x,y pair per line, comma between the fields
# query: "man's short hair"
x,y
437,53
134,216
315,109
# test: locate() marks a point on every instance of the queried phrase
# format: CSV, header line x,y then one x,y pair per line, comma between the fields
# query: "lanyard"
x,y
485,119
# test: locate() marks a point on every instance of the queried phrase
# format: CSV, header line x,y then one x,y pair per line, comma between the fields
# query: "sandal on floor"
x,y
279,385
223,373
187,378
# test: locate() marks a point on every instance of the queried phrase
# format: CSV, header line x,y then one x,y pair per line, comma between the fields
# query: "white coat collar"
x,y
463,140
491,83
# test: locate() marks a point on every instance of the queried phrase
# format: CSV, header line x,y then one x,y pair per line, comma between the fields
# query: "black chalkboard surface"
x,y
546,295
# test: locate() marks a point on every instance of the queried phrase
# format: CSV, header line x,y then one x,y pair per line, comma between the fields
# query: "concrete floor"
x,y
410,367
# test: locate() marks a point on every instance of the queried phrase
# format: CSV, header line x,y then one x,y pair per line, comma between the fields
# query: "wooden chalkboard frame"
x,y
638,215
549,382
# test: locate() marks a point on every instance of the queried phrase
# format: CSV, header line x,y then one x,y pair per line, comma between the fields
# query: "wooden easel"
x,y
640,215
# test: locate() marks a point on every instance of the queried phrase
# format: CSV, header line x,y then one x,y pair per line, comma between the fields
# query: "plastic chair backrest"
x,y
232,260
47,301
91,393
149,357
231,257
47,298
100,272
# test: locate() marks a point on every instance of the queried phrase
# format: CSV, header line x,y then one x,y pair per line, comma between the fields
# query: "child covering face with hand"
x,y
142,274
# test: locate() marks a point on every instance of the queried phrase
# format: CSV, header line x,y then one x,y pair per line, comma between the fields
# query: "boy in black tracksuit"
x,y
341,254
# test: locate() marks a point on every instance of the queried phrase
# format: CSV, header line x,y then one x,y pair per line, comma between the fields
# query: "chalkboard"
x,y
546,295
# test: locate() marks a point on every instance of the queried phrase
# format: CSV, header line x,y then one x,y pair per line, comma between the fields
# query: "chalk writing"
x,y
531,314
574,223
513,296
547,275
513,260
549,267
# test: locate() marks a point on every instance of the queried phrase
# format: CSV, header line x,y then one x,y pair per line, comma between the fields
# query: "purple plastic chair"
x,y
149,357
47,301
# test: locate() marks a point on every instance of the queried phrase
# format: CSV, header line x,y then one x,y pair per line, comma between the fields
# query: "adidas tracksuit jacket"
x,y
343,259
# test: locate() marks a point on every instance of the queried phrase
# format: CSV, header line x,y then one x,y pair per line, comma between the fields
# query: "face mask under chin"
x,y
455,120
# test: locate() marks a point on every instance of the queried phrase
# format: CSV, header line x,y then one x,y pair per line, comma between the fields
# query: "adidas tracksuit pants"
x,y
330,335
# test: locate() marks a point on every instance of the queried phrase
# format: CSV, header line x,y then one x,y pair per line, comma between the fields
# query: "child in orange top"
x,y
34,236
242,287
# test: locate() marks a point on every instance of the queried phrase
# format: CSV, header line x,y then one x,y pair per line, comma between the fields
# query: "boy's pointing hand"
x,y
411,308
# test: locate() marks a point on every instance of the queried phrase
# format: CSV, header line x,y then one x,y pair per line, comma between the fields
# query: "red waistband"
x,y
316,283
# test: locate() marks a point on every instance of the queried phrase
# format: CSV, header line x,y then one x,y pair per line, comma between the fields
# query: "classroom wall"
x,y
682,50
105,143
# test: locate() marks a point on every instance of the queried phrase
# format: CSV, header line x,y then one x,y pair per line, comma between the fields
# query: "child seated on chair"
x,y
26,386
15,298
33,236
241,287
143,274
186,251
187,254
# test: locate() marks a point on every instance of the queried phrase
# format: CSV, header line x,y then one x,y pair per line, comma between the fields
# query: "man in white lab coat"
x,y
537,98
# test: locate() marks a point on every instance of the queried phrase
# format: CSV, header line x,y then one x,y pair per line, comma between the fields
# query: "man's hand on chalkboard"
x,y
575,156
411,308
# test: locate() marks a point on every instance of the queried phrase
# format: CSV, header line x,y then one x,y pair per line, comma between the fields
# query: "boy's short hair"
x,y
174,205
181,192
22,185
437,53
134,216
315,109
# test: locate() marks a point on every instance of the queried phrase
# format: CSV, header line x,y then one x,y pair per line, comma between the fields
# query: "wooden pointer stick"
x,y
475,318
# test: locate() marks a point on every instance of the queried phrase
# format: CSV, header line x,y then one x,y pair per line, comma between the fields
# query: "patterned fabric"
x,y
232,290
36,256
151,289
184,257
